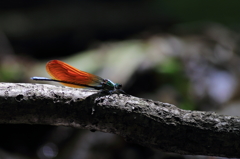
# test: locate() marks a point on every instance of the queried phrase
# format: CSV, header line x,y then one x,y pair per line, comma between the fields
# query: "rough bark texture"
x,y
153,124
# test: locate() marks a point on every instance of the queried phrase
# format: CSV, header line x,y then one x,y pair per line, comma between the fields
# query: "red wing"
x,y
64,72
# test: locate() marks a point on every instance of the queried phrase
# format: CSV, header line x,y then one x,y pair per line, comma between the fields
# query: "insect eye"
x,y
118,86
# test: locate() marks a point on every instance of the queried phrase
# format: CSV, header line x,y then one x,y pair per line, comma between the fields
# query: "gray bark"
x,y
149,123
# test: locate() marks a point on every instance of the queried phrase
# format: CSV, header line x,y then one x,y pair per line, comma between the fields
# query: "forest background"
x,y
181,52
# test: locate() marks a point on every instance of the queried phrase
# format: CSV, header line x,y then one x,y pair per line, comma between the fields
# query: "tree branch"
x,y
152,124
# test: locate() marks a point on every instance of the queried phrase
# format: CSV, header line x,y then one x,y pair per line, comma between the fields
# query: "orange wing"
x,y
66,73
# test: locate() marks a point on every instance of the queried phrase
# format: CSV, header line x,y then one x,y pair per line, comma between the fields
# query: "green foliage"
x,y
221,11
172,74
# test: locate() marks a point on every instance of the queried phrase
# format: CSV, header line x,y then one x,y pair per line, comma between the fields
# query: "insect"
x,y
72,77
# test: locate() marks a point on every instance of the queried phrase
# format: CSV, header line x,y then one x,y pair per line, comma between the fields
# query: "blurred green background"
x,y
181,52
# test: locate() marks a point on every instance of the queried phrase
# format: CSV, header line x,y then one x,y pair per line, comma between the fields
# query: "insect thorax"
x,y
109,85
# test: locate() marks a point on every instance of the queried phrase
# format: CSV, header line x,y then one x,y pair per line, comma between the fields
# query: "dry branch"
x,y
152,124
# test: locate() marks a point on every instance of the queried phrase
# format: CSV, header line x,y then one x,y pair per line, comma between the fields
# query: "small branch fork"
x,y
149,123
